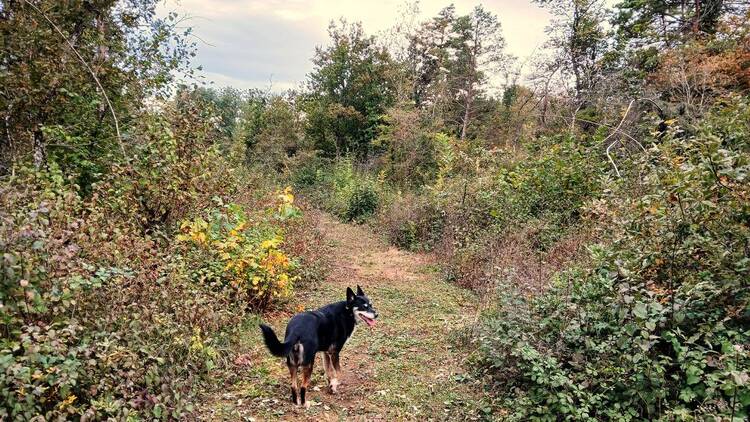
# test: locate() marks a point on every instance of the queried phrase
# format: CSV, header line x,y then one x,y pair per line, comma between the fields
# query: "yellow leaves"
x,y
286,208
275,262
195,231
242,254
67,402
677,160
196,341
286,197
198,237
282,280
272,243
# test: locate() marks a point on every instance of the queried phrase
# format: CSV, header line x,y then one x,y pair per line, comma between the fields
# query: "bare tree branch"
x,y
88,68
627,111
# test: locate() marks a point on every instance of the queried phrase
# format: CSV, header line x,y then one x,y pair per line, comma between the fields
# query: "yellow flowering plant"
x,y
285,208
243,254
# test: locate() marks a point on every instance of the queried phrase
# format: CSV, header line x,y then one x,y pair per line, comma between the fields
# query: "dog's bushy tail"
x,y
276,347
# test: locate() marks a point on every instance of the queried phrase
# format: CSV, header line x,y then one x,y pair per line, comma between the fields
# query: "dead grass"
x,y
513,260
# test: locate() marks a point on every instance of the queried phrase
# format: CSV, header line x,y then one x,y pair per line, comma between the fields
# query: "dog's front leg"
x,y
333,382
336,366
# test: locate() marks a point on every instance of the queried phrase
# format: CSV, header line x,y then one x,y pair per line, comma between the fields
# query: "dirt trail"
x,y
405,368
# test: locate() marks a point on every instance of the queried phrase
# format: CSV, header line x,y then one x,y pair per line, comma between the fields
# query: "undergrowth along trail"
x,y
407,367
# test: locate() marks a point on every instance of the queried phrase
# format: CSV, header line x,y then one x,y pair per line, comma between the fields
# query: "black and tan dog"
x,y
323,330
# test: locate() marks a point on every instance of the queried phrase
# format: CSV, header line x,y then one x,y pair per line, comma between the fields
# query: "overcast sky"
x,y
255,43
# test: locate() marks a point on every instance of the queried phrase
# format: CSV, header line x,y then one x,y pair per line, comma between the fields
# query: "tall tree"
x,y
479,47
577,33
430,56
451,57
349,90
666,22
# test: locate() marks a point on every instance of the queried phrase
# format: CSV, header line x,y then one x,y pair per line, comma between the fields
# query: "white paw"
x,y
334,385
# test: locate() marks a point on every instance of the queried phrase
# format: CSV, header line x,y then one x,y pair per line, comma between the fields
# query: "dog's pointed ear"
x,y
360,292
349,295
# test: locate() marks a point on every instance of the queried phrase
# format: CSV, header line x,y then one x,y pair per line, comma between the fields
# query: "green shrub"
x,y
656,327
362,203
412,153
77,338
308,174
342,190
551,187
100,312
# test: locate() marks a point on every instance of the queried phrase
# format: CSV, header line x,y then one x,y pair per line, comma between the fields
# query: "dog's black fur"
x,y
324,330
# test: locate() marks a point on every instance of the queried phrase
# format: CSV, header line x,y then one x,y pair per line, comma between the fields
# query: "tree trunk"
x,y
472,76
467,109
40,155
575,55
697,17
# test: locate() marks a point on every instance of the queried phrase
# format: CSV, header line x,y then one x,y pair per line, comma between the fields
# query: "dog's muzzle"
x,y
368,317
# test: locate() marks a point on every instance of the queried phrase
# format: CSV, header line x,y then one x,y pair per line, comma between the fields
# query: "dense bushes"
x,y
657,326
412,153
362,203
132,252
103,313
650,323
87,307
472,194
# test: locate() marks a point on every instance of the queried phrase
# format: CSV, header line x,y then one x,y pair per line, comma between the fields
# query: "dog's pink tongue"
x,y
370,322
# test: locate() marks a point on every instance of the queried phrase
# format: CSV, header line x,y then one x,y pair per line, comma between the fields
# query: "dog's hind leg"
x,y
293,361
306,374
293,374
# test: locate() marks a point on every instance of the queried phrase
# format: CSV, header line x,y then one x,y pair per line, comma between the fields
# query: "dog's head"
x,y
361,306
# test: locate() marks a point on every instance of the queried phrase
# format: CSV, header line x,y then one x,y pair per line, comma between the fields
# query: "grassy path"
x,y
406,368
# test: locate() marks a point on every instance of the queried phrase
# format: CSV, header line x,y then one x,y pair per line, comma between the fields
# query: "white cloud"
x,y
247,43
